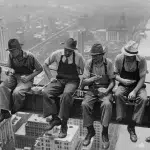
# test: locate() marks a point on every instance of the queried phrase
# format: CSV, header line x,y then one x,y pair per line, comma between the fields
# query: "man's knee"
x,y
84,104
118,94
17,93
144,99
66,97
107,104
45,92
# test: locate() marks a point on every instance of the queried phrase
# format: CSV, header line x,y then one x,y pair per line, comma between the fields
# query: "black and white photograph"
x,y
74,74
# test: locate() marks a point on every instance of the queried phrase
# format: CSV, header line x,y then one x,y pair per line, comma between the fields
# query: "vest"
x,y
22,70
67,71
130,75
104,81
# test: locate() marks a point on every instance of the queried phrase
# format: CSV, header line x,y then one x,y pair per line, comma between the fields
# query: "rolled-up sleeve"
x,y
51,59
142,67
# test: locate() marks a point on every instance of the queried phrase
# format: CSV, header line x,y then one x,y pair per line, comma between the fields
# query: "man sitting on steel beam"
x,y
23,67
99,77
70,63
130,69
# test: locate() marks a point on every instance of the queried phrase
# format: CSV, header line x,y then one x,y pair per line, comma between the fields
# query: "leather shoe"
x,y
7,115
147,139
106,143
90,134
63,131
132,133
2,117
13,112
53,122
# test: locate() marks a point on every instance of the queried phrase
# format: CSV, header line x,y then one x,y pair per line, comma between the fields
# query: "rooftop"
x,y
72,130
37,118
21,130
15,119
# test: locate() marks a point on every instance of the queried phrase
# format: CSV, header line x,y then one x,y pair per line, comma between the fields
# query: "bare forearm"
x,y
111,85
35,73
140,84
86,82
47,71
118,78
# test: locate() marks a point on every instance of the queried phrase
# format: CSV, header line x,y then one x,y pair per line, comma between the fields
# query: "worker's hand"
x,y
132,95
95,78
79,93
9,71
25,78
127,81
103,91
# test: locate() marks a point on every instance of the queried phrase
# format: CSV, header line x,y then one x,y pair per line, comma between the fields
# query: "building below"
x,y
22,140
50,140
30,131
7,135
35,125
97,141
16,122
89,147
18,119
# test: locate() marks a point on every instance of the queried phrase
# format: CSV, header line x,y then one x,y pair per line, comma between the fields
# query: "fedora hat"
x,y
130,49
70,44
13,44
97,49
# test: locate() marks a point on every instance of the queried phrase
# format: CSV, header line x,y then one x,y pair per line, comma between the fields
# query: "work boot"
x,y
54,122
13,111
63,130
132,133
2,117
50,119
90,134
105,139
7,114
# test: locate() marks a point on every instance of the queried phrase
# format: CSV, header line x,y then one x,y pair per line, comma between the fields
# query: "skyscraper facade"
x,y
6,135
50,140
4,36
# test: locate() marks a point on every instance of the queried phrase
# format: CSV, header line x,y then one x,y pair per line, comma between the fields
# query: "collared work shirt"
x,y
142,65
27,60
56,56
99,69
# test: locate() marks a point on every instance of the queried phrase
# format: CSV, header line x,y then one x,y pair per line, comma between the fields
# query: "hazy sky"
x,y
101,2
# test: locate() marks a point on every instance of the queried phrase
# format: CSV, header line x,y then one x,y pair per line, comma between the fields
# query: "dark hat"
x,y
70,44
13,44
97,49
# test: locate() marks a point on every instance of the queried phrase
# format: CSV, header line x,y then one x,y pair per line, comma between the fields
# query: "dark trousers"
x,y
50,96
106,109
141,101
